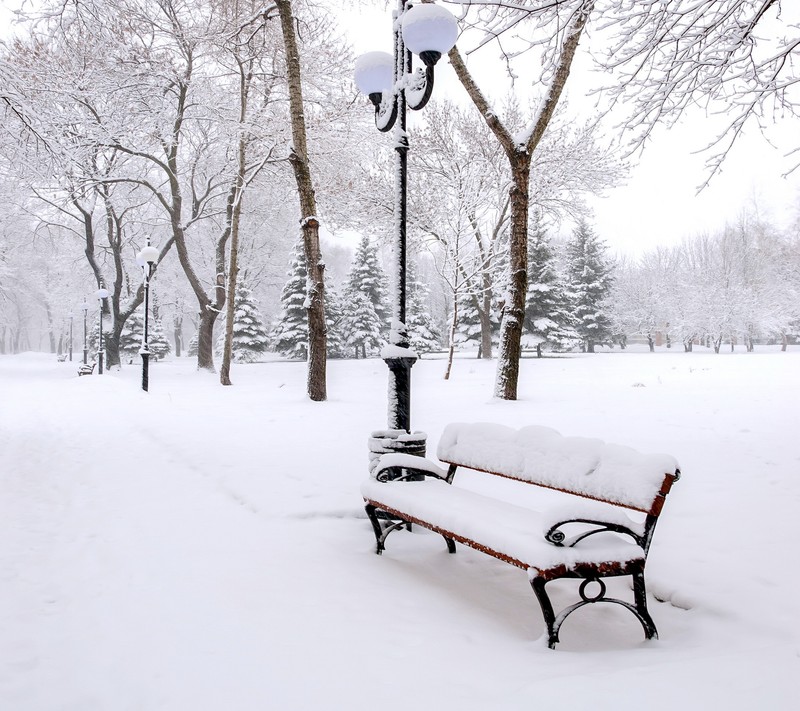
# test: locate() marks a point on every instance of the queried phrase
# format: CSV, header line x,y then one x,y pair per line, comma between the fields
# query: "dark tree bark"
x,y
309,224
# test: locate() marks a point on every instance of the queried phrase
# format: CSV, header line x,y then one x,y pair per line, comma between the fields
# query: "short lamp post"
x,y
101,294
71,317
145,259
85,309
392,86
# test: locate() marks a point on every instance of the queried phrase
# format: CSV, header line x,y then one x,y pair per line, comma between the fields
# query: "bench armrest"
x,y
406,467
583,521
587,527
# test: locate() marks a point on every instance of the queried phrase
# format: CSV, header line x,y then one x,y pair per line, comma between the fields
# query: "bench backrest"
x,y
577,465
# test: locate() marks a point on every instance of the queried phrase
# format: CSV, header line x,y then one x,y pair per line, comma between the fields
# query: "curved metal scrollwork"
x,y
558,538
385,111
405,474
601,593
418,88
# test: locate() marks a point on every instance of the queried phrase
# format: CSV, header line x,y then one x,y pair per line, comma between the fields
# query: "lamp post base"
x,y
395,442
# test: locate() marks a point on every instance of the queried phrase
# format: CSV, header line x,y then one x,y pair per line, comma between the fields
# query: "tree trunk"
x,y
309,224
227,350
111,342
205,332
452,340
235,215
510,349
784,342
50,333
177,333
486,322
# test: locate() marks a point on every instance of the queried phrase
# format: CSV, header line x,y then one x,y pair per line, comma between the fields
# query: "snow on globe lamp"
x,y
429,31
374,75
148,255
102,293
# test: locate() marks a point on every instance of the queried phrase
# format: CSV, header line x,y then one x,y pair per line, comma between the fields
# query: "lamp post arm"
x,y
419,87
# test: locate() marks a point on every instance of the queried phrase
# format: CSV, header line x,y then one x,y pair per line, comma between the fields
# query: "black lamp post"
x,y
392,86
145,259
101,294
71,317
85,309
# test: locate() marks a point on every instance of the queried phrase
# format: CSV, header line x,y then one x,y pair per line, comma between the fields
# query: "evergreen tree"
x,y
547,308
468,326
191,349
130,338
250,338
360,324
589,283
423,334
94,339
468,329
367,277
290,333
337,346
157,341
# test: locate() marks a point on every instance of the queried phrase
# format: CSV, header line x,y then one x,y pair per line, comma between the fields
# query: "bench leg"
x,y
381,530
538,585
640,598
554,622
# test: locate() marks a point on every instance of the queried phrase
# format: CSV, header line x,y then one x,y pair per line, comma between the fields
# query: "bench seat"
x,y
503,530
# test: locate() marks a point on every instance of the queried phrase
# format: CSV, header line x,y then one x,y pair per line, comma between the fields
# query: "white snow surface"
x,y
538,454
205,547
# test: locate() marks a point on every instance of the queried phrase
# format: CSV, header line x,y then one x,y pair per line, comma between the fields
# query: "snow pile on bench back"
x,y
583,466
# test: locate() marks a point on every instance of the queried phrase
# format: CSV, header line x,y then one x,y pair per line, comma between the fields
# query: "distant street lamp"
x,y
85,309
145,259
428,31
71,317
101,295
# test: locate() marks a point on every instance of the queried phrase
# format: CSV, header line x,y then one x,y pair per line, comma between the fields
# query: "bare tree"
x,y
519,149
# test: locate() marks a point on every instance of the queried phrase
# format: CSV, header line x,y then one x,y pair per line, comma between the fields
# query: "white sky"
x,y
659,205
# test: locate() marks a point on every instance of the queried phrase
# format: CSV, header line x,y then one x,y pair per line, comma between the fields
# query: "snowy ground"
x,y
201,548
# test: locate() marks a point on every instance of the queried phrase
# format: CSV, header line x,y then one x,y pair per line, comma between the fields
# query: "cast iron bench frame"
x,y
386,519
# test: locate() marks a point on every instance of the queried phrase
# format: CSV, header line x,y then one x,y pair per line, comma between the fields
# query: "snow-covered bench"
x,y
87,368
608,488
